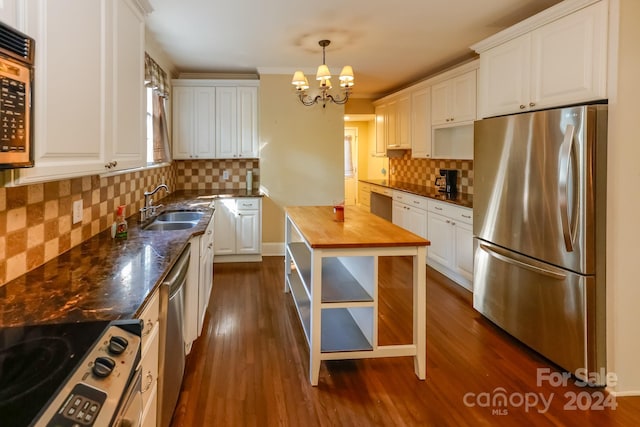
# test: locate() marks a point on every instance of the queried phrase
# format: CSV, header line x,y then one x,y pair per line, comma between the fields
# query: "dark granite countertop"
x,y
103,278
460,199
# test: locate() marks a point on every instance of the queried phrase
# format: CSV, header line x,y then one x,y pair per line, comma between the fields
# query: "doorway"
x,y
350,165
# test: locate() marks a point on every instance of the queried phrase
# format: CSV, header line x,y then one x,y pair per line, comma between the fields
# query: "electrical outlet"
x,y
77,211
225,174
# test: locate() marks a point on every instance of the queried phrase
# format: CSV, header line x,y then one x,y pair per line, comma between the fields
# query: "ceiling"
x,y
389,44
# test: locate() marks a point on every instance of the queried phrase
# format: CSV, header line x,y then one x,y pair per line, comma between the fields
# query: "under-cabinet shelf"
x,y
338,284
341,333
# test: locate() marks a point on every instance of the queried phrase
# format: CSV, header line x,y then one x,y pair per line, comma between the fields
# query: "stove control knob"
x,y
103,366
117,344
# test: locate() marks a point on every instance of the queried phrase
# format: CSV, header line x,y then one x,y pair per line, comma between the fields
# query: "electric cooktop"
x,y
35,360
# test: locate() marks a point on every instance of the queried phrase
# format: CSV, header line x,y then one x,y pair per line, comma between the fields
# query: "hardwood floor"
x,y
250,366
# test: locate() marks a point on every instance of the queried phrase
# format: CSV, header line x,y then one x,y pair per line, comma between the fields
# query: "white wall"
x,y
623,202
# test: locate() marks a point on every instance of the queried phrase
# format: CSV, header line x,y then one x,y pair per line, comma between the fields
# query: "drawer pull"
x,y
466,216
437,208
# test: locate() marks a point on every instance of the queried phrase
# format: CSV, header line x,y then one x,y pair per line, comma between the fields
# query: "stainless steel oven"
x,y
71,374
16,79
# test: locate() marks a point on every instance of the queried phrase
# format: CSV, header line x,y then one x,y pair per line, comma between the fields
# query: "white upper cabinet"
x,y
10,13
194,122
128,136
454,100
88,89
236,122
561,61
381,133
215,119
421,123
247,122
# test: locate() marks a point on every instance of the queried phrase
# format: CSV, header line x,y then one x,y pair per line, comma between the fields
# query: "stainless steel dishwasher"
x,y
172,351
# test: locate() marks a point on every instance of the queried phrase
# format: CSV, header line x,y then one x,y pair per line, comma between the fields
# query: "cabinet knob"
x,y
532,104
522,107
453,223
448,221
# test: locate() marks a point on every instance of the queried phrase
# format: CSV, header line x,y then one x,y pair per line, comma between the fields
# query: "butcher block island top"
x,y
331,271
359,228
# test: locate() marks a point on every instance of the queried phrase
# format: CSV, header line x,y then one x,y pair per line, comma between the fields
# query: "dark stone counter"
x,y
461,199
104,278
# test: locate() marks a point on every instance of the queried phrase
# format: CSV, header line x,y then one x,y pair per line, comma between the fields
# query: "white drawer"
x,y
150,316
410,199
247,204
364,186
382,190
463,215
456,213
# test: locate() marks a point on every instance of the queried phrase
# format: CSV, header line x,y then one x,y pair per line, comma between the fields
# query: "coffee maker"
x,y
447,181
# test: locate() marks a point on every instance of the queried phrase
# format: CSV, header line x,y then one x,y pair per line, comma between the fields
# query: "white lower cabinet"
x,y
451,237
149,359
410,212
199,284
238,229
364,195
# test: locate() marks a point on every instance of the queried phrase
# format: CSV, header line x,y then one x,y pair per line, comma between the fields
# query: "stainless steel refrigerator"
x,y
539,231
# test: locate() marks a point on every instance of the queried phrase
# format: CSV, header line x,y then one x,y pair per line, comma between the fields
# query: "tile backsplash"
x,y
425,171
209,174
36,220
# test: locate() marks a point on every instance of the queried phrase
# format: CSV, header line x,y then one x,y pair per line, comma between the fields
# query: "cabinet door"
x,y
504,78
224,227
391,125
9,13
248,122
463,102
226,122
204,141
421,123
398,214
183,121
464,250
441,103
441,235
69,91
248,232
569,58
128,142
381,126
205,282
416,221
403,122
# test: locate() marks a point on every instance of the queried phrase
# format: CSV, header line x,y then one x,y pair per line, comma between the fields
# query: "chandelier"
x,y
323,75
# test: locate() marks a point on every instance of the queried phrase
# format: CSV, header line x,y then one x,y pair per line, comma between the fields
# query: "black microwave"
x,y
16,83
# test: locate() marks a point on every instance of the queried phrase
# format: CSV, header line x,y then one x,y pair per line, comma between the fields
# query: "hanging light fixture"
x,y
323,75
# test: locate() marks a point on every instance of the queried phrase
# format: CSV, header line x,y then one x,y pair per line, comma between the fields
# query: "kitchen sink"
x,y
168,226
180,216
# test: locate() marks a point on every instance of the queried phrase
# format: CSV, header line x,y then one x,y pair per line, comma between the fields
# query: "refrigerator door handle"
x,y
564,171
494,253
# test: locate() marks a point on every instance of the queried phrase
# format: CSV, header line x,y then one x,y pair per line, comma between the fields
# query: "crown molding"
x,y
546,16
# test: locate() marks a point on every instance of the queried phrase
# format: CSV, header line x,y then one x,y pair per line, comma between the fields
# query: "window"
x,y
149,125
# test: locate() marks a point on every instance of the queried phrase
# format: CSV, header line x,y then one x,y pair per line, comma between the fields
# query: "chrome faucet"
x,y
149,209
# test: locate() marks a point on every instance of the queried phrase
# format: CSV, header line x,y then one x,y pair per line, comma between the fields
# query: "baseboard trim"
x,y
273,249
237,258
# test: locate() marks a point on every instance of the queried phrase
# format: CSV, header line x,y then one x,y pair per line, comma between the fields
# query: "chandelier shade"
x,y
323,76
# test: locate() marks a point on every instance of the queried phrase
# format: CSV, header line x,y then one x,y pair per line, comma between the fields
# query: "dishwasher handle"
x,y
176,276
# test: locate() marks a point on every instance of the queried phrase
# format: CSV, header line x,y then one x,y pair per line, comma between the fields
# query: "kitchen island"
x,y
331,270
